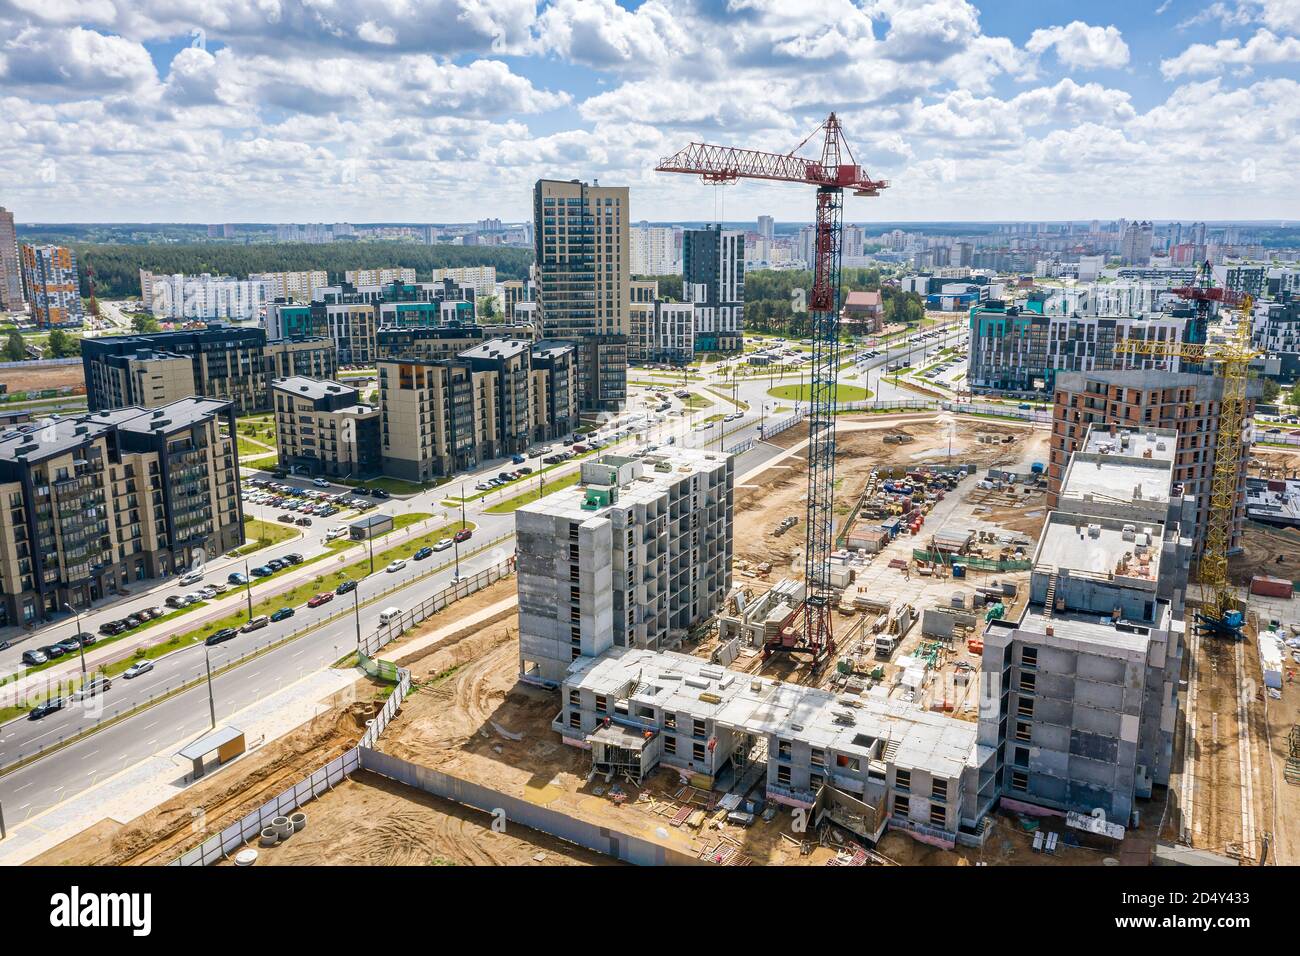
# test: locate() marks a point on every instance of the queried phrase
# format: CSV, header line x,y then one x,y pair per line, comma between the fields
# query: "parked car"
x,y
379,493
138,668
194,577
304,522
517,459
236,578
70,645
395,565
443,544
335,532
53,651
221,636
33,657
464,534
286,517
317,600
282,613
422,554
255,624
345,587
320,482
293,557
113,628
45,708
88,640
263,571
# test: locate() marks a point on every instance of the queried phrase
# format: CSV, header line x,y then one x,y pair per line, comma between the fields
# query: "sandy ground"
x,y
162,834
38,379
373,821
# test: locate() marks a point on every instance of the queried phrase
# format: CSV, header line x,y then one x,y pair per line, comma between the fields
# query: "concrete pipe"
x,y
282,826
246,857
299,820
270,836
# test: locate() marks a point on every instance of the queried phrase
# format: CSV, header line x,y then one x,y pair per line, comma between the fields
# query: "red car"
x,y
320,599
464,534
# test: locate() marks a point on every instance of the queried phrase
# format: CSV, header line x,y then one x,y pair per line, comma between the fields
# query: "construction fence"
x,y
393,629
970,561
1038,415
320,781
506,810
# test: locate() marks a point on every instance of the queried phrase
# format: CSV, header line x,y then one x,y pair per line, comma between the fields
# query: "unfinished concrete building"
x,y
636,555
863,762
1081,691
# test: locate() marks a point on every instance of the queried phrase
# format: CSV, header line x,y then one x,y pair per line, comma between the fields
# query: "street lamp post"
x,y
80,649
356,610
212,700
248,588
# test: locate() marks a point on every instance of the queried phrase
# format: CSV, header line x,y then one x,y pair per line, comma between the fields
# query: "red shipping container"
x,y
1270,587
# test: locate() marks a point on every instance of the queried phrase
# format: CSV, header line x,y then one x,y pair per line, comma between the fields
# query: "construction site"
x,y
899,639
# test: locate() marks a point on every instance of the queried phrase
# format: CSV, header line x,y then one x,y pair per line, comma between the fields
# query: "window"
x,y
1024,731
602,703
699,727
1027,683
783,749
1029,657
939,790
1025,707
815,781
902,805
575,698
670,746
903,780
575,719
818,758
783,775
697,752
938,814
670,721
1019,780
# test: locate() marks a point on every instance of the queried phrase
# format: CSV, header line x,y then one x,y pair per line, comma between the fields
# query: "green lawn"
x,y
843,393
394,486
251,448
518,501
263,534
270,463
695,401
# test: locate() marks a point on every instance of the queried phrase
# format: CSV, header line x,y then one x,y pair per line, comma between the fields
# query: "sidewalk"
x,y
219,607
154,781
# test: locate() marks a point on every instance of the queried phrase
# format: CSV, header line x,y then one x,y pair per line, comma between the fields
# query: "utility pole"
x,y
356,608
248,588
80,649
212,700
370,538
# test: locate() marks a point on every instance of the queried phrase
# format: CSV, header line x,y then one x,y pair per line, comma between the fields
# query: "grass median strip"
x,y
264,534
518,501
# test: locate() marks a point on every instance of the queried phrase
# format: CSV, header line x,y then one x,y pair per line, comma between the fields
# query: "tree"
x,y
487,307
143,323
63,345
1271,391
15,348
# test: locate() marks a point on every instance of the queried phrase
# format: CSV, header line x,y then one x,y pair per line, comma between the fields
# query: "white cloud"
x,y
1263,48
39,58
1081,46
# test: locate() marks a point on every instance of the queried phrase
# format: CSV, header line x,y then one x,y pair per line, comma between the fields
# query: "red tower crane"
x,y
831,176
1203,291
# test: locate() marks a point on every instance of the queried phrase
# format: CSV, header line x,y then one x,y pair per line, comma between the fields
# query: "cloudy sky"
x,y
448,110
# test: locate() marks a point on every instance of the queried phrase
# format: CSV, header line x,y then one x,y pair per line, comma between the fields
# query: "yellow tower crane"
x,y
1219,613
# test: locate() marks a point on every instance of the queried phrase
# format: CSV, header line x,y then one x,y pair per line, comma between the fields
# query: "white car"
x,y
138,668
396,566
337,531
194,577
320,482
443,544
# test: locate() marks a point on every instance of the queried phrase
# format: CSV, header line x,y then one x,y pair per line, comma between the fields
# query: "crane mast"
x,y
831,176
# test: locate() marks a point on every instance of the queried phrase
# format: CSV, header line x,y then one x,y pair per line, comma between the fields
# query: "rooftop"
x,y
1126,553
846,724
53,436
638,479
498,348
312,388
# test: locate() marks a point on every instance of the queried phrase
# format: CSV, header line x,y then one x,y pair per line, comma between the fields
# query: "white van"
x,y
389,614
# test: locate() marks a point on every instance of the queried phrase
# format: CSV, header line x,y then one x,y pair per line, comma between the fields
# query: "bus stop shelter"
x,y
228,742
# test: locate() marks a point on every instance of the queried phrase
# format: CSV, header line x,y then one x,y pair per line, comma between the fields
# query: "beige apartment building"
x,y
93,503
582,278
323,428
145,378
437,417
308,358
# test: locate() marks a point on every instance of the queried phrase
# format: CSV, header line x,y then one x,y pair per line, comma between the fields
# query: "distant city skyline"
x,y
228,111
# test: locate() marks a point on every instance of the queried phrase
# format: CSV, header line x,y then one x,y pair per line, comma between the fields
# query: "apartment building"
x,y
291,320
509,363
1081,695
379,277
513,293
652,250
555,390
1022,352
323,428
11,273
673,332
1275,330
93,503
144,378
437,417
867,767
307,358
713,278
53,287
636,555
642,295
203,297
228,363
441,302
291,286
481,279
1185,402
582,278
